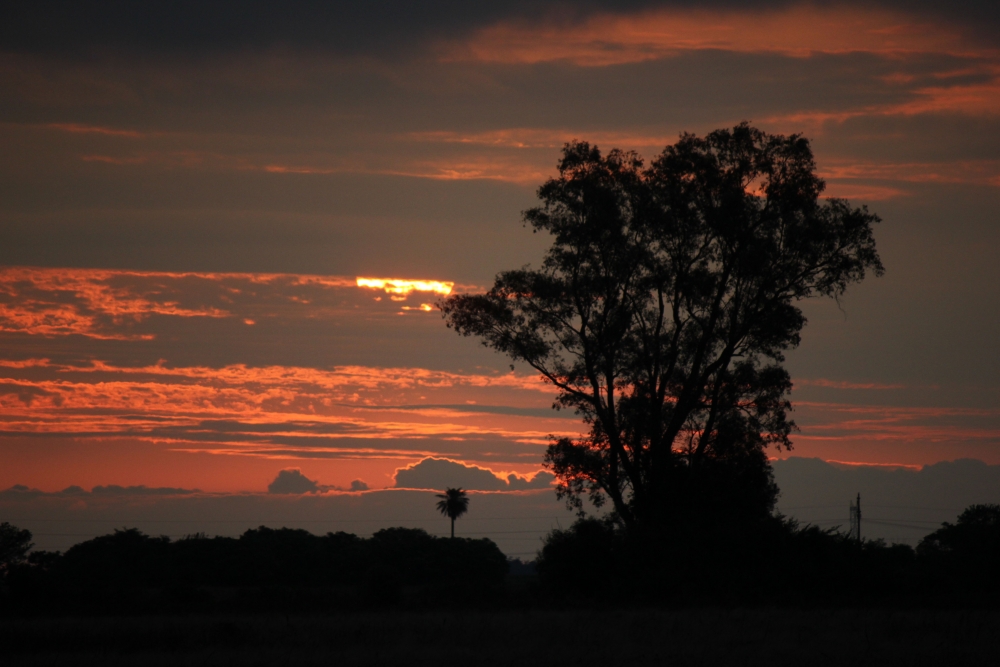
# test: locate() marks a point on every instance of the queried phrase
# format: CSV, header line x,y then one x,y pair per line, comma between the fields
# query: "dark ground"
x,y
686,637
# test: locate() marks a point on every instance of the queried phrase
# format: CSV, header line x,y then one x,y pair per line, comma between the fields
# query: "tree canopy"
x,y
15,544
662,310
976,535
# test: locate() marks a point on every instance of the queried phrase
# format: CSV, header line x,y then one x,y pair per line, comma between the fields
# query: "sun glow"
x,y
403,287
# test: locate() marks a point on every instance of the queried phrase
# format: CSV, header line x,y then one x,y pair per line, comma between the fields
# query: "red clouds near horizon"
x,y
92,389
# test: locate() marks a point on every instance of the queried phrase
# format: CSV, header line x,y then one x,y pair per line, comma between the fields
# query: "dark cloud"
x,y
434,473
223,25
359,485
20,491
291,480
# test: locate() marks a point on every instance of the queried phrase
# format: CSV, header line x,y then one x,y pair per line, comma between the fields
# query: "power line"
x,y
289,520
895,524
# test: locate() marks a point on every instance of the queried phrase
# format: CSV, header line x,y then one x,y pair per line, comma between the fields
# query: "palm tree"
x,y
453,504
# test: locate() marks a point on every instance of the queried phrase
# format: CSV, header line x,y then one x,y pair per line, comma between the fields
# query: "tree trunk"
x,y
452,527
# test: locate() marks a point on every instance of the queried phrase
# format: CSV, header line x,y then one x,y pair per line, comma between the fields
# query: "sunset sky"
x,y
225,224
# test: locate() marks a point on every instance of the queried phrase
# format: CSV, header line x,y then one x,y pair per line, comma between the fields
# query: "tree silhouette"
x,y
976,534
662,310
15,544
453,504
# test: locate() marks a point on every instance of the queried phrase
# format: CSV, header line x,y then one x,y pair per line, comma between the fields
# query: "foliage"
x,y
768,562
662,310
976,534
594,561
964,555
14,545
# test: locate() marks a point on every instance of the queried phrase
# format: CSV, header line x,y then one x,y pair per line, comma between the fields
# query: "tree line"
x,y
263,568
775,563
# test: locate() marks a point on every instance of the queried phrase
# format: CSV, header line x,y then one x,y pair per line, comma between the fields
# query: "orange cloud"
x,y
842,422
108,159
491,167
895,466
960,171
614,39
545,138
282,169
276,411
78,128
108,304
840,384
294,412
54,302
974,99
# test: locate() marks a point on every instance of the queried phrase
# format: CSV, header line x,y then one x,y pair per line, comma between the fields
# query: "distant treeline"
x,y
776,562
593,563
262,569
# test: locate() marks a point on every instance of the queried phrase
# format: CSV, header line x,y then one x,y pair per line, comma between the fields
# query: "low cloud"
x,y
291,480
359,485
20,491
435,473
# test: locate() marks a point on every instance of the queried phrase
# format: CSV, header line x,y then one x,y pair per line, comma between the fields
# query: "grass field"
x,y
687,637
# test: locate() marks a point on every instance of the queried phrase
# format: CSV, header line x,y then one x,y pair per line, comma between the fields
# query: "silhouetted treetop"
x,y
15,543
662,310
976,534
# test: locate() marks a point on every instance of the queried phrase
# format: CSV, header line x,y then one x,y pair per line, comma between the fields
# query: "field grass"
x,y
606,638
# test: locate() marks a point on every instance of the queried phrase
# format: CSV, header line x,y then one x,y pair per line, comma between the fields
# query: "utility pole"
x,y
856,519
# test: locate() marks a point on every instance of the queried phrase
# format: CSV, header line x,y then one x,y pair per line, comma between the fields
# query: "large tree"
x,y
662,310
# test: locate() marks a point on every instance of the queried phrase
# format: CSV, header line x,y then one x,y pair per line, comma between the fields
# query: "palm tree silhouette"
x,y
453,504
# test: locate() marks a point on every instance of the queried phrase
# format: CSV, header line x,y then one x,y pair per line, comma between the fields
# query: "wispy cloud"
x,y
844,384
276,412
914,425
798,31
79,128
114,305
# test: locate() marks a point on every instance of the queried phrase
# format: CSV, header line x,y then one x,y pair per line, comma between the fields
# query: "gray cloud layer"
x,y
292,481
22,492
